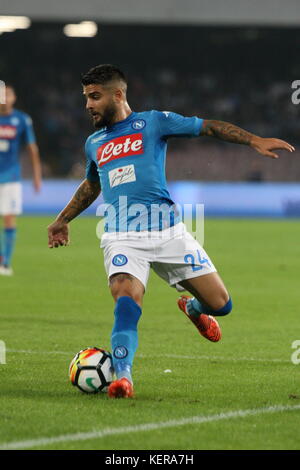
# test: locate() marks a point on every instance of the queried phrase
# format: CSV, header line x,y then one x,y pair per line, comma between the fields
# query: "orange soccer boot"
x,y
121,388
207,325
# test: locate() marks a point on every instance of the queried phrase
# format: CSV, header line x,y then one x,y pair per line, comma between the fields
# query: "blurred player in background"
x,y
126,157
15,130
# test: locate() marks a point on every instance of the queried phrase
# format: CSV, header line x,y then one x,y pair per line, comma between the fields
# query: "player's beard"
x,y
4,109
107,118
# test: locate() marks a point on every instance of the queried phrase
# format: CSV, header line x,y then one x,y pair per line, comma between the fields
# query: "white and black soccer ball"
x,y
91,370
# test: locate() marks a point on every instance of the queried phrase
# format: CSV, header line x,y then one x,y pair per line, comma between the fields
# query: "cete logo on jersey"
x,y
124,146
8,132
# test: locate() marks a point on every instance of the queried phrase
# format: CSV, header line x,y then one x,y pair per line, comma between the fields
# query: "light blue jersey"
x,y
129,158
15,130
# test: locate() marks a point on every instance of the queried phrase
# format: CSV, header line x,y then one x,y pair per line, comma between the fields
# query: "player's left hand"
x,y
265,146
58,234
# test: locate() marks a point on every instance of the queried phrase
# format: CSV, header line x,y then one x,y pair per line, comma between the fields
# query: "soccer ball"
x,y
91,370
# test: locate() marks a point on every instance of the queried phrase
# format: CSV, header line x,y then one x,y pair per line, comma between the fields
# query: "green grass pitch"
x,y
58,303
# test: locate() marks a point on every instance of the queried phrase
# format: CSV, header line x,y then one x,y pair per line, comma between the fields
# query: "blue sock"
x,y
124,337
9,240
194,307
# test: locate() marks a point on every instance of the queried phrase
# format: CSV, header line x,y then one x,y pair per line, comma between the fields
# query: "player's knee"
x,y
121,286
124,292
9,221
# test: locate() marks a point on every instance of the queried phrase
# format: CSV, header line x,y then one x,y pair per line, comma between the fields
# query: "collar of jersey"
x,y
10,114
131,115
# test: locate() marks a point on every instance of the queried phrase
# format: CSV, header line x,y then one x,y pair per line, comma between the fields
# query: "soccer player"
x,y
15,130
125,158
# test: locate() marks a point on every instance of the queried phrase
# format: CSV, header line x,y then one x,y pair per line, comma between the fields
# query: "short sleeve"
x,y
91,172
28,135
173,124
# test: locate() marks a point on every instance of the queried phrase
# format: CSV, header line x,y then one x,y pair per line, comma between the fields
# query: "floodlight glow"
x,y
84,29
14,22
6,29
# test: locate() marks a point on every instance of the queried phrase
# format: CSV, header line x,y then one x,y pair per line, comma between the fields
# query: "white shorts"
x,y
173,254
10,198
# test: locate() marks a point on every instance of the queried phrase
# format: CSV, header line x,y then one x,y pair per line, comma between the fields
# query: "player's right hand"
x,y
266,145
58,234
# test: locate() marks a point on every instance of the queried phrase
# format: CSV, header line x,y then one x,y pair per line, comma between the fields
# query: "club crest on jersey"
x,y
119,260
138,124
124,146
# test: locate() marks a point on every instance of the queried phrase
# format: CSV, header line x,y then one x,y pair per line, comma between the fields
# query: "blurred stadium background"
x,y
232,61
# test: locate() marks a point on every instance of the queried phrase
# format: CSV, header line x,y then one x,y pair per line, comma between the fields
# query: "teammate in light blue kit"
x,y
126,160
15,130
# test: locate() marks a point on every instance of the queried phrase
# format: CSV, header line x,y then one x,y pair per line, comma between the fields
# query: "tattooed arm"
x,y
231,133
58,232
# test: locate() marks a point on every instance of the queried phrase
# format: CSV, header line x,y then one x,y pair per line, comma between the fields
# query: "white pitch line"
x,y
175,356
171,356
83,436
26,351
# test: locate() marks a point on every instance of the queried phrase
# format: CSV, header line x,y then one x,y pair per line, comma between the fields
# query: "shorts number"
x,y
190,259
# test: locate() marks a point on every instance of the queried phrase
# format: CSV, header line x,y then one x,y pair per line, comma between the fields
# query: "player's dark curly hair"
x,y
102,74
